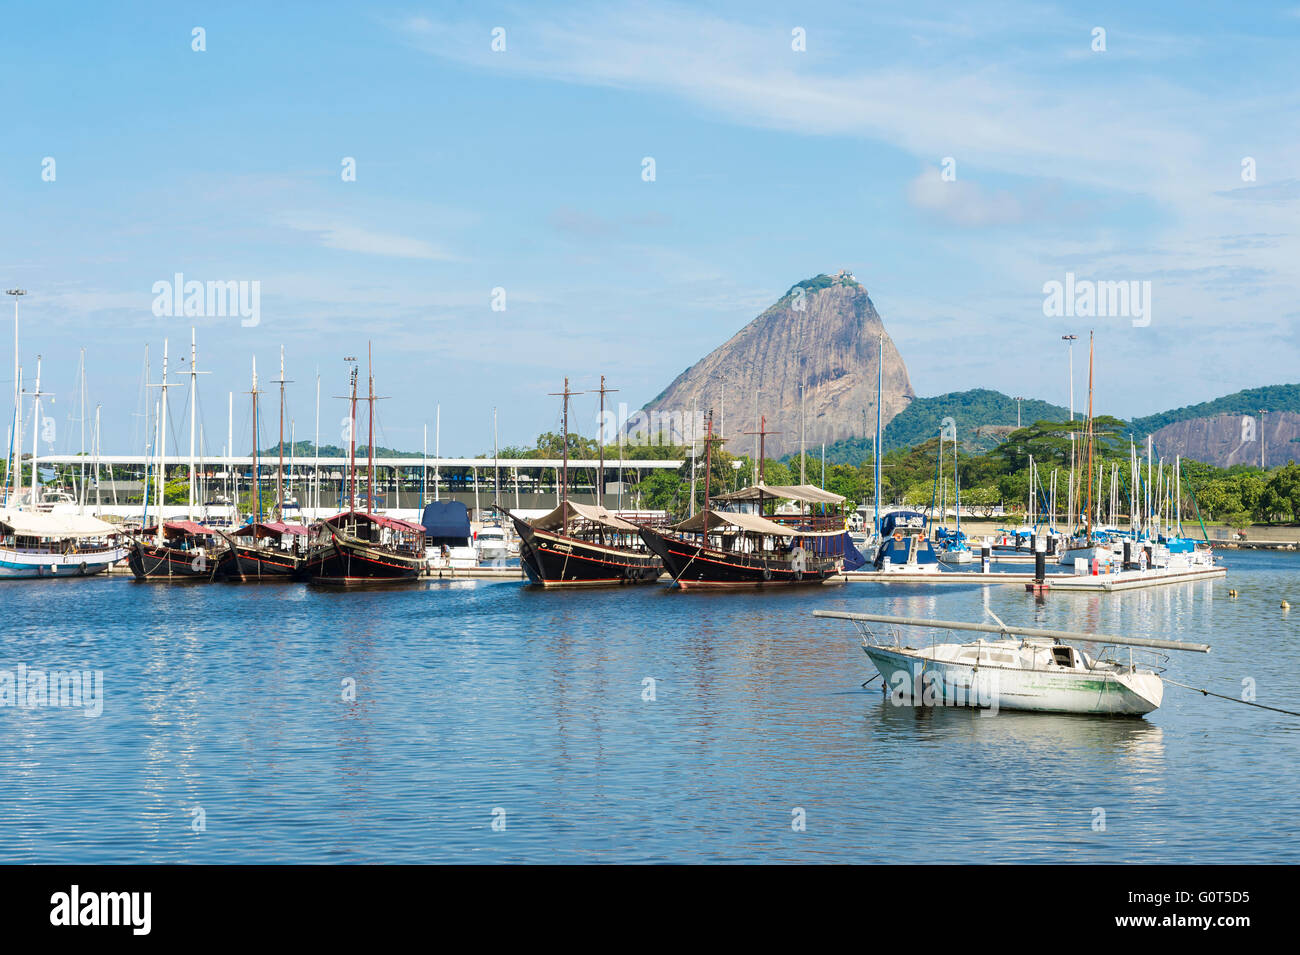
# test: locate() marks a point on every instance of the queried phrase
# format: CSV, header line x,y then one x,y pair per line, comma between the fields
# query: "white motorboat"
x,y
491,543
956,553
1024,669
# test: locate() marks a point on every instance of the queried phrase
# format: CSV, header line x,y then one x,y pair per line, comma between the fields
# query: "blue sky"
x,y
522,169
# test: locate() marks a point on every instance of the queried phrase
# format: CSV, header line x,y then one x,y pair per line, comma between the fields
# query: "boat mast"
x,y
257,484
279,481
708,466
600,440
315,470
352,443
98,503
194,407
36,435
803,456
564,478
161,477
81,496
880,388
956,485
1091,434
370,440
16,439
231,483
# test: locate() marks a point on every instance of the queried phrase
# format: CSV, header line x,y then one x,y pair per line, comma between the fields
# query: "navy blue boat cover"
x,y
446,522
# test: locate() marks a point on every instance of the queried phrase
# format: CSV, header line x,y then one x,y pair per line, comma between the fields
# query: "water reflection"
x,y
474,696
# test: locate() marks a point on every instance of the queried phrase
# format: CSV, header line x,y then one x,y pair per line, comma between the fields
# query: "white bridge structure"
x,y
318,484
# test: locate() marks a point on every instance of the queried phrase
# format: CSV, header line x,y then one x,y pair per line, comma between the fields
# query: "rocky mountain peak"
x,y
822,337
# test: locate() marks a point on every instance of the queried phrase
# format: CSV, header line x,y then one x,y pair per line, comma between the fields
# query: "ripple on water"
x,y
486,701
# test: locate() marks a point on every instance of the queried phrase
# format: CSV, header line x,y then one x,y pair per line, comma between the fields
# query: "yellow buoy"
x,y
1285,605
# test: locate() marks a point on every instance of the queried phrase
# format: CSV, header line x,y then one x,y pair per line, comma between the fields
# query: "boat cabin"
x,y
402,537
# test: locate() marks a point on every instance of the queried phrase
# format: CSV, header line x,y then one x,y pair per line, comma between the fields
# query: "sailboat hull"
x,y
154,562
695,567
353,563
23,565
553,560
242,563
1118,693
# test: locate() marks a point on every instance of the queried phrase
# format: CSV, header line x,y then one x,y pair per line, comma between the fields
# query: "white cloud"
x,y
348,238
963,203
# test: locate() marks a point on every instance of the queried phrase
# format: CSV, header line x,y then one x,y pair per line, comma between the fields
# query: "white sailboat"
x,y
1025,668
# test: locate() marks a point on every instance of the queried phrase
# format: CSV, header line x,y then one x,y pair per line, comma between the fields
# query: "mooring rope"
x,y
1230,699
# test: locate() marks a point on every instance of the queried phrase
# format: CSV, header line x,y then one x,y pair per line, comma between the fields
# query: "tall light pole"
x,y
1070,340
17,462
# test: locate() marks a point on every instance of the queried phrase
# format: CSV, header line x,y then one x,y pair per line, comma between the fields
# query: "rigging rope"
x,y
1231,699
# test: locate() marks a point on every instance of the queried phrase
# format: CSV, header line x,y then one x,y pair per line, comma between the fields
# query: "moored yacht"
x,y
1022,669
34,544
904,545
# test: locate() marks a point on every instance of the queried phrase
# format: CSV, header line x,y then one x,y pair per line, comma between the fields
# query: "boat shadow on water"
x,y
1029,732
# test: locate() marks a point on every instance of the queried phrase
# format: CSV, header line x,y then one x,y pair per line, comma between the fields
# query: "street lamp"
x,y
16,293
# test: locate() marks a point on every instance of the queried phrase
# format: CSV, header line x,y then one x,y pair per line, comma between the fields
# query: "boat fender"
x,y
82,569
767,573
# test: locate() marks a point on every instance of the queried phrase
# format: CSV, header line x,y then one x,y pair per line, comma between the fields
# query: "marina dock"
x,y
1089,583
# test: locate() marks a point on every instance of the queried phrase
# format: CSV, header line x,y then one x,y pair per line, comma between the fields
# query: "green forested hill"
x,y
972,412
1251,402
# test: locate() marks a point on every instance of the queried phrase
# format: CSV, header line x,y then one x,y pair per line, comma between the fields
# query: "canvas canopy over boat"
x,y
803,493
745,548
571,512
37,544
1026,668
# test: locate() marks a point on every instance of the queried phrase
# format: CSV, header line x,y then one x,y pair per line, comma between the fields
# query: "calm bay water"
x,y
475,697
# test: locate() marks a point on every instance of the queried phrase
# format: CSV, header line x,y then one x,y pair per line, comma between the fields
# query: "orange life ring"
x,y
898,535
